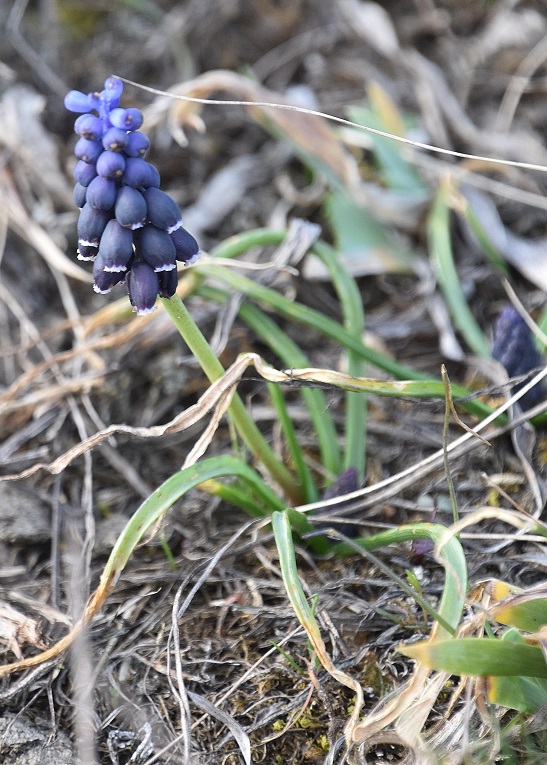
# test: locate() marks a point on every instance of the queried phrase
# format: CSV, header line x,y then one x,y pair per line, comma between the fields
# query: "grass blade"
x,y
364,244
354,322
397,172
480,657
529,616
440,248
466,210
339,334
450,555
293,357
302,470
169,492
234,495
526,694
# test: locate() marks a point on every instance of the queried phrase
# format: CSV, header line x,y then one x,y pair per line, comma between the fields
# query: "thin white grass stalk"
x,y
339,120
532,326
432,457
180,691
485,513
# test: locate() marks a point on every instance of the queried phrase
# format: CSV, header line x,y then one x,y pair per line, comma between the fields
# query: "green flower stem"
x,y
245,426
354,322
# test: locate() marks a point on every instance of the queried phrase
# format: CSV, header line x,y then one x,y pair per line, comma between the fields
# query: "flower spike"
x,y
130,229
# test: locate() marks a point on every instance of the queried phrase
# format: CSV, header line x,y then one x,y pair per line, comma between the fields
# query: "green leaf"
x,y
465,209
480,657
354,321
244,423
397,172
281,523
302,470
365,245
529,616
442,258
330,328
451,555
542,324
153,508
293,357
239,496
525,694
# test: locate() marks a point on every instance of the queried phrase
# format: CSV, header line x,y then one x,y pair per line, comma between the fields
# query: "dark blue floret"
x,y
140,174
156,247
108,101
186,247
142,287
105,280
114,139
153,180
90,127
91,225
514,348
137,144
116,248
163,211
96,103
80,195
101,193
127,119
111,165
419,548
346,483
89,151
130,208
84,172
168,283
87,251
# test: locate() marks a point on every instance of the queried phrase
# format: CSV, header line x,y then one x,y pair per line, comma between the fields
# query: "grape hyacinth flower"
x,y
130,229
514,348
346,483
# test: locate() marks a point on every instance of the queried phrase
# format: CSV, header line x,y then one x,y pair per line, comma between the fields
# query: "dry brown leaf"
x,y
29,144
529,256
308,133
17,630
373,24
20,221
215,395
